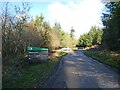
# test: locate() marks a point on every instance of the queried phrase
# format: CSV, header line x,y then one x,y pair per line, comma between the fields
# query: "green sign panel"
x,y
37,48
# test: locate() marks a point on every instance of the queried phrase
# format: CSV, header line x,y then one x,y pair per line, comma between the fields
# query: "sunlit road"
x,y
79,71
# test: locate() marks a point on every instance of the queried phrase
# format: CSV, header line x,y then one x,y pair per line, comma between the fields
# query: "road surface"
x,y
79,71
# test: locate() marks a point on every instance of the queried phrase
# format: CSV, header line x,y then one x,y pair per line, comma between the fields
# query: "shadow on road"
x,y
79,71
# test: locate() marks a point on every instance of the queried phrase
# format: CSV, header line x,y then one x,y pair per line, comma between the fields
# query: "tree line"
x,y
93,37
19,31
109,35
111,22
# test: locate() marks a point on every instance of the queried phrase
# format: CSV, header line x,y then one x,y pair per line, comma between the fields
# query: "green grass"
x,y
30,76
105,57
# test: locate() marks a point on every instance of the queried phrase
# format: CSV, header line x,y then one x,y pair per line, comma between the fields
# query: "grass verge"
x,y
30,76
109,58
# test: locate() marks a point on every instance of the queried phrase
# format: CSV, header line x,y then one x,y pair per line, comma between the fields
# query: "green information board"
x,y
36,54
37,48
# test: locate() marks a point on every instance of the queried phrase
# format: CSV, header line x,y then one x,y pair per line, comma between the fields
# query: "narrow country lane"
x,y
79,71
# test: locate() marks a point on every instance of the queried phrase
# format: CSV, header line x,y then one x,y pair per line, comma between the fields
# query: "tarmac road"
x,y
79,71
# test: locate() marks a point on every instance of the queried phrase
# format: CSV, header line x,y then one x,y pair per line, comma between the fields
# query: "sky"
x,y
79,14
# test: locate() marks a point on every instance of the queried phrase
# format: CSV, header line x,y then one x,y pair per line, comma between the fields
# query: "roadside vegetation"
x,y
105,40
20,30
107,57
30,75
109,35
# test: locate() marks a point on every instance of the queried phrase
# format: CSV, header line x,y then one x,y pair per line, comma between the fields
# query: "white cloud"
x,y
81,15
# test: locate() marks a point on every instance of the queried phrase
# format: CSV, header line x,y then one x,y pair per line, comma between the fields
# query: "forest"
x,y
109,35
19,31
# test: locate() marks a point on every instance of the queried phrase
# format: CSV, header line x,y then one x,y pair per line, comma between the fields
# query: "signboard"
x,y
37,49
36,54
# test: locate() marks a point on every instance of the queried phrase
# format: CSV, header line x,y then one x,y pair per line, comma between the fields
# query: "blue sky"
x,y
39,8
79,14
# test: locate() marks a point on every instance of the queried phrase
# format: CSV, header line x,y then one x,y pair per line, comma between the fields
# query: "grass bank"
x,y
29,76
107,57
